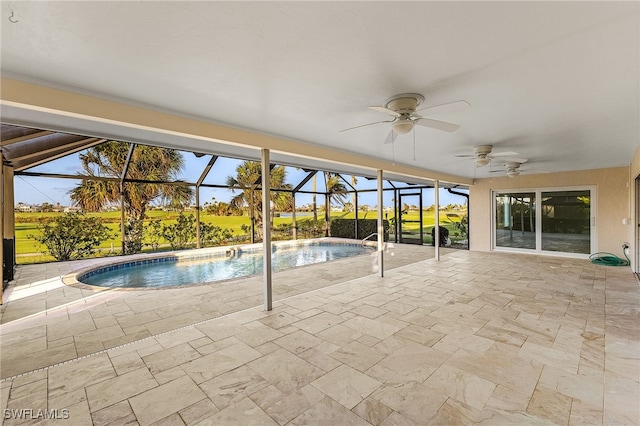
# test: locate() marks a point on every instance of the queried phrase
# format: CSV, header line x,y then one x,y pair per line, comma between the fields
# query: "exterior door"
x,y
553,220
411,218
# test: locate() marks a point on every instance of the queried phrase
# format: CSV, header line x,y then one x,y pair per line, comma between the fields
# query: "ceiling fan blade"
x,y
391,137
504,154
440,125
368,124
513,159
466,156
447,108
385,110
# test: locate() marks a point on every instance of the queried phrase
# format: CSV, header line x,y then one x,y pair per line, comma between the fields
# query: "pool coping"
x,y
72,279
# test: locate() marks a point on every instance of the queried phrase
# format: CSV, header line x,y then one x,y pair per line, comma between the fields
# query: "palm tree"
x,y
147,163
247,179
336,192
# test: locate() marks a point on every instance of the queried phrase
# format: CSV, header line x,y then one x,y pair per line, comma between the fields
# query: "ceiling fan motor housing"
x,y
405,103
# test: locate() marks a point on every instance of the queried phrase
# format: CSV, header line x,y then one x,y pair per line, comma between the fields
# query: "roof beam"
x,y
304,181
207,170
60,155
39,153
27,137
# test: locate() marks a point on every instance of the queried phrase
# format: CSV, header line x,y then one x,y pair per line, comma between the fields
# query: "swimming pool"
x,y
221,263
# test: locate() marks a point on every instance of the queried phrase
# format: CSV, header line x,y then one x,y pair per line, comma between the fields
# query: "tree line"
x,y
76,235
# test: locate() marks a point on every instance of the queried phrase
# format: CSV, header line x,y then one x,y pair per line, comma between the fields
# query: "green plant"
x,y
345,228
214,235
71,236
180,234
153,233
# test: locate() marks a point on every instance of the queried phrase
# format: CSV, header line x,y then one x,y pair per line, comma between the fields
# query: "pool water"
x,y
169,272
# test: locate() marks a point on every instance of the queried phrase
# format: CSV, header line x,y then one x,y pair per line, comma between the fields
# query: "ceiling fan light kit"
x,y
402,126
402,108
481,162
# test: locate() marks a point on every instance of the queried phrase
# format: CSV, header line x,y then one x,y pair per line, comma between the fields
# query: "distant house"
x,y
72,209
26,208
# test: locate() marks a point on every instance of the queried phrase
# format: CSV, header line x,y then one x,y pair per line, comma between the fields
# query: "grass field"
x,y
29,250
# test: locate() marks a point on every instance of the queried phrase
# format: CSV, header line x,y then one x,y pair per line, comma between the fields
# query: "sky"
x,y
38,190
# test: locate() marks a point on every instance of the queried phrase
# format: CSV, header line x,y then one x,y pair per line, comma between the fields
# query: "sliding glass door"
x,y
545,220
566,221
515,220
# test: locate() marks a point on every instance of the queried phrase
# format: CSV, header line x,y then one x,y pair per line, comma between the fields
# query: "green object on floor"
x,y
609,259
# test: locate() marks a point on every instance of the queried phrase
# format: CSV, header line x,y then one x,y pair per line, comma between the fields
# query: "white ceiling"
x,y
556,82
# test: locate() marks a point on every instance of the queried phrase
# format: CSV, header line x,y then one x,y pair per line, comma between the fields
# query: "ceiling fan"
x,y
403,110
511,168
483,154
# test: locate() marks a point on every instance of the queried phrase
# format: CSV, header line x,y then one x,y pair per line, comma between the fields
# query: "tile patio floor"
x,y
487,338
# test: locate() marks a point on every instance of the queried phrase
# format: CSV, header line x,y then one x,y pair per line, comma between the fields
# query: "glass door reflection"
x,y
566,225
515,220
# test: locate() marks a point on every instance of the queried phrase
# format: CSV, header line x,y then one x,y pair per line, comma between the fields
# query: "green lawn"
x,y
28,224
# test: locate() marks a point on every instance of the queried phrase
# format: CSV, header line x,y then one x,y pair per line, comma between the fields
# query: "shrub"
x,y
181,234
345,228
153,233
213,235
71,235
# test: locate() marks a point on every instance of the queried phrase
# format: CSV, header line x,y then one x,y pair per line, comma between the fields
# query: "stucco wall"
x,y
613,195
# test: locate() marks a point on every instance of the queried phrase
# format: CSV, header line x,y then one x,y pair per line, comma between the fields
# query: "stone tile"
x,y
169,358
278,319
79,374
319,359
358,356
397,419
110,391
117,414
549,356
186,335
259,335
412,362
171,420
169,375
413,400
328,412
164,400
372,327
464,387
285,371
285,407
126,362
212,365
269,395
221,328
244,412
198,412
372,411
347,386
586,389
298,341
231,387
550,405
317,323
339,335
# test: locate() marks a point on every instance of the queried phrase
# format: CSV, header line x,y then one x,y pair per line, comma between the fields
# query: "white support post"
x,y
436,234
380,226
294,225
266,230
198,236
